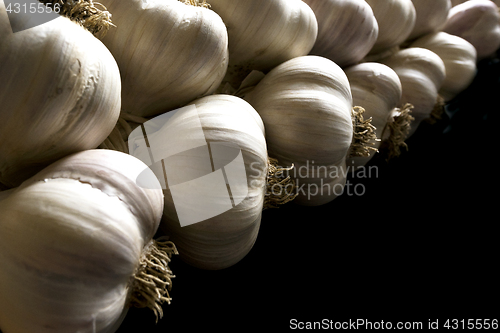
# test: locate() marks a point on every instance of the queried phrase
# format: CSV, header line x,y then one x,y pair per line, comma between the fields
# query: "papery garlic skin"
x,y
347,30
378,88
265,33
71,239
478,22
457,2
5,27
306,105
222,240
169,53
459,57
431,16
396,20
60,94
422,73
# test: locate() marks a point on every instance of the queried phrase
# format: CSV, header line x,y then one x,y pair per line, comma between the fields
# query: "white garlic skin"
x,y
377,88
60,95
459,57
478,22
347,30
5,27
457,2
71,238
265,33
431,16
422,73
306,105
396,20
223,240
179,53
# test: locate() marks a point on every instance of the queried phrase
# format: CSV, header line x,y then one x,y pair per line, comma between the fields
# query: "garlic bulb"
x,y
347,30
169,53
478,22
60,94
396,20
213,175
459,57
306,106
431,16
76,246
265,33
422,73
378,88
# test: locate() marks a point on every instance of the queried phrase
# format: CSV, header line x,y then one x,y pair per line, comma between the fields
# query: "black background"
x,y
419,244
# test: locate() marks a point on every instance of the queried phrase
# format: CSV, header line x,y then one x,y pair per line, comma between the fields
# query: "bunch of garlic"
x,y
431,16
347,30
306,106
378,88
211,158
56,96
422,73
265,33
478,22
459,58
169,53
396,20
76,246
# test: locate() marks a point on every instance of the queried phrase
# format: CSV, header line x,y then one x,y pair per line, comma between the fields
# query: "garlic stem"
x,y
437,112
364,135
196,3
399,129
279,189
85,13
153,278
